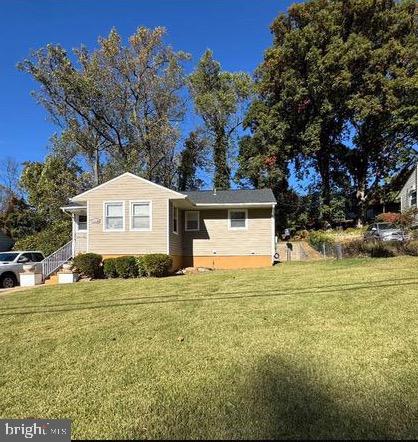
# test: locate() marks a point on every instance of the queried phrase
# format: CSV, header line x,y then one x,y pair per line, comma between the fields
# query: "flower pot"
x,y
28,268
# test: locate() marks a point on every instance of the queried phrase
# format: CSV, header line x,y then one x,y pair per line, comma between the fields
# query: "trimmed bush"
x,y
140,266
109,268
157,264
89,264
126,267
411,248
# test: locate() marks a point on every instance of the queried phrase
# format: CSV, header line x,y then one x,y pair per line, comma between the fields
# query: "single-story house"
x,y
130,215
408,194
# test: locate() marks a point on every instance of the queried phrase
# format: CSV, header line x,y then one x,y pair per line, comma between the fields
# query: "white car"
x,y
11,264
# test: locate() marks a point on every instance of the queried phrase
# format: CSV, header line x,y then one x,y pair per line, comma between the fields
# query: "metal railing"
x,y
54,261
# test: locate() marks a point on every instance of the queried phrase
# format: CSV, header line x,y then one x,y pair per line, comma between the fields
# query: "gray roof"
x,y
239,196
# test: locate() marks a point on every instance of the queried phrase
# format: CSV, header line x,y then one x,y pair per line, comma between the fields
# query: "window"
x,y
114,217
175,219
141,215
192,221
413,196
82,223
237,219
37,257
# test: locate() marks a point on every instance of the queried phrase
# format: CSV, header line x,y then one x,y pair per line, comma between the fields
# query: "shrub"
x,y
388,217
301,235
89,264
384,250
126,267
317,238
357,247
109,268
140,266
47,240
157,264
411,248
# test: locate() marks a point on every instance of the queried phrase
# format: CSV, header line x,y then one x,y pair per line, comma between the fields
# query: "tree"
x,y
337,92
118,106
49,185
220,98
192,158
18,220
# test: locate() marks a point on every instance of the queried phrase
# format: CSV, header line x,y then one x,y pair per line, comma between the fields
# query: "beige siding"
x,y
127,189
214,235
176,240
80,242
411,184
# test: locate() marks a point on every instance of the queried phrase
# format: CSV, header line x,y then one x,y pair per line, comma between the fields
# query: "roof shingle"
x,y
240,196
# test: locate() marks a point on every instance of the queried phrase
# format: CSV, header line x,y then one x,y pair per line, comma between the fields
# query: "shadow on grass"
x,y
277,400
217,296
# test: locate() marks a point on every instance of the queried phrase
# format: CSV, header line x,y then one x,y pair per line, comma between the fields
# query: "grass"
x,y
305,350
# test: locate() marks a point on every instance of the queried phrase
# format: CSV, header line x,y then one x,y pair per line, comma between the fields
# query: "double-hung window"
x,y
175,219
114,216
413,198
192,221
141,216
82,223
237,219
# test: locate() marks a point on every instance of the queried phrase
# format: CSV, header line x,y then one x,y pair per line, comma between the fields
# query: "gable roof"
x,y
177,194
225,197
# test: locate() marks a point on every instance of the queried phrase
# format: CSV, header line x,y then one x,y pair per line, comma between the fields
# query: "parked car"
x,y
11,264
385,232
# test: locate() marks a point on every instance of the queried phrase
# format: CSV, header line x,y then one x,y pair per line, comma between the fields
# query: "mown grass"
x,y
306,350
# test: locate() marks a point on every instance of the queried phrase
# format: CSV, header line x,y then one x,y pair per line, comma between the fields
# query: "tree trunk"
x,y
96,167
220,154
361,205
324,172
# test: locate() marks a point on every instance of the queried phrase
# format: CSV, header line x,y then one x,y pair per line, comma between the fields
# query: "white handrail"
x,y
54,261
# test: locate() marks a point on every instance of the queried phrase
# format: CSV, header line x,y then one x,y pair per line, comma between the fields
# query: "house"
x,y
408,194
130,215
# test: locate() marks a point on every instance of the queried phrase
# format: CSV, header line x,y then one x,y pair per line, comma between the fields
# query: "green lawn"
x,y
304,350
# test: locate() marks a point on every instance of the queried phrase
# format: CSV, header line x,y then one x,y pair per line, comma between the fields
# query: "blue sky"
x,y
236,30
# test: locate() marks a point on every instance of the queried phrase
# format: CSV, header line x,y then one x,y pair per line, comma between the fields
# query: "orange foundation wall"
x,y
227,262
216,262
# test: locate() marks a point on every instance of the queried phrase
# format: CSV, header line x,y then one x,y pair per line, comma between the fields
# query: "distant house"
x,y
6,243
130,215
408,194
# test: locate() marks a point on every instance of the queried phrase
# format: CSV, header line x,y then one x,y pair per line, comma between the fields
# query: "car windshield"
x,y
387,226
7,257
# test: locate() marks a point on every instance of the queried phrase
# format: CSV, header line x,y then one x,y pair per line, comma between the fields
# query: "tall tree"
x,y
337,92
120,104
220,98
192,158
48,185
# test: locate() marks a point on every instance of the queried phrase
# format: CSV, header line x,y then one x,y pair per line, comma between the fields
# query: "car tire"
x,y
8,281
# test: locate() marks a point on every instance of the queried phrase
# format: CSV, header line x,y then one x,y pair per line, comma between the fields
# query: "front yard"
x,y
306,350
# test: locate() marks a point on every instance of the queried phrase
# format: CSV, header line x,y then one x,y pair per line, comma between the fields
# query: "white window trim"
x,y
77,229
229,219
176,211
104,216
186,216
131,203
